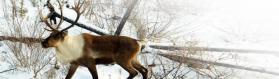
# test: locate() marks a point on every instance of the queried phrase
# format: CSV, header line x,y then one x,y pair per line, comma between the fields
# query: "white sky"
x,y
255,14
234,20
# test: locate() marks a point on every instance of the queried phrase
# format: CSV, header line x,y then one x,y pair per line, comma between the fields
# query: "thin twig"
x,y
7,70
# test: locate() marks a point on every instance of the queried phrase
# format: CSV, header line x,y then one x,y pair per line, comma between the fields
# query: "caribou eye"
x,y
57,36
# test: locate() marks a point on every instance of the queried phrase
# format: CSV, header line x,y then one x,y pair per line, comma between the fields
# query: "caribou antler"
x,y
77,9
44,19
51,17
61,12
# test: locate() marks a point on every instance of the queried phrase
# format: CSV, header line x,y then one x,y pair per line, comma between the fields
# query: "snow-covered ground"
x,y
239,24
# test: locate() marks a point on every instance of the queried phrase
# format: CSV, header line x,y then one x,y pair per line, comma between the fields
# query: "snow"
x,y
104,72
239,24
236,24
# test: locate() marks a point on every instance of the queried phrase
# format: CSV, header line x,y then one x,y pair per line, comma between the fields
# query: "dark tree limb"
x,y
26,40
186,59
120,26
125,17
54,14
79,24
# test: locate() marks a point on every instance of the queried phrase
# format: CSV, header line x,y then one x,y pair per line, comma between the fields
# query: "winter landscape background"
x,y
243,33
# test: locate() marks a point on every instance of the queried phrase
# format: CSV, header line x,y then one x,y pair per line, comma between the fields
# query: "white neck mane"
x,y
70,49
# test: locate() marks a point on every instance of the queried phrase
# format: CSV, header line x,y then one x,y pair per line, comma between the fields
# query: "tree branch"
x,y
7,70
120,26
186,59
80,25
172,48
54,14
26,40
125,17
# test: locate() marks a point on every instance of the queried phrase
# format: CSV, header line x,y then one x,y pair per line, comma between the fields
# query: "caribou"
x,y
89,50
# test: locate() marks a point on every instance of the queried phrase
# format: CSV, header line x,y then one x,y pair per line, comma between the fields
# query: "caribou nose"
x,y
44,45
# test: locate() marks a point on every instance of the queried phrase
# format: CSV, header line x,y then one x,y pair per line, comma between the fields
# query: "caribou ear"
x,y
64,33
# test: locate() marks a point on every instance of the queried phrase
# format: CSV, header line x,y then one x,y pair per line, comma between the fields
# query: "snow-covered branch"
x,y
211,49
